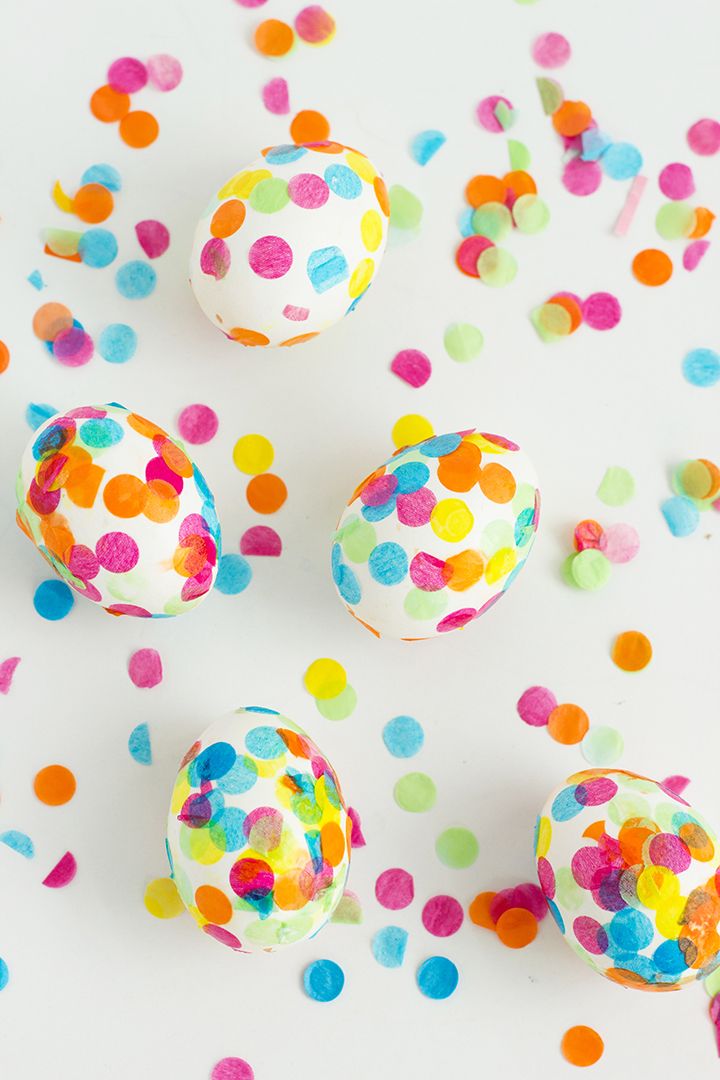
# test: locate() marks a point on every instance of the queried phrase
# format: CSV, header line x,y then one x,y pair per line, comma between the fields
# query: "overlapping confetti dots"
x,y
512,913
112,103
436,535
266,492
65,338
120,512
290,244
596,548
564,312
258,832
629,872
92,203
696,484
326,680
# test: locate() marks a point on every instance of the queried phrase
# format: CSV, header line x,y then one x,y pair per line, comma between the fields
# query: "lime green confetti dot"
x,y
270,195
348,911
340,707
358,540
497,267
497,535
415,792
617,486
505,115
551,94
463,342
568,892
457,848
674,220
523,498
590,569
547,316
566,571
519,155
492,220
406,210
425,605
531,214
712,983
602,746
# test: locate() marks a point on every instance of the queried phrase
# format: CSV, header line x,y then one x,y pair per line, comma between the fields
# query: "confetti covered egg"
x,y
630,873
258,832
436,535
117,508
290,244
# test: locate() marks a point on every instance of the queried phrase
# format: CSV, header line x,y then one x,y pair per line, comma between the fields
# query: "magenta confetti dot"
x,y
582,177
442,916
693,253
602,311
127,75
117,552
251,3
308,191
485,112
675,784
412,366
668,850
232,1068
73,347
296,314
198,424
260,540
153,237
676,181
82,562
704,137
457,619
620,543
145,668
62,873
314,25
551,50
395,889
276,97
469,252
164,71
7,671
535,705
415,508
215,258
528,895
270,257
357,839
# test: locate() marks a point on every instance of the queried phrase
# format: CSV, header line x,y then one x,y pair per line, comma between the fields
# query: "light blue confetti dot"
x,y
36,280
403,736
327,267
136,280
4,974
389,945
107,175
98,248
53,600
388,563
264,742
117,343
426,145
285,154
37,413
323,980
681,514
437,977
343,181
701,367
234,575
18,841
139,745
465,222
594,144
439,445
101,432
621,161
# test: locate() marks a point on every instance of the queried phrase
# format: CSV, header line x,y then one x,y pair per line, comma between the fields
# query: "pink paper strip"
x,y
627,213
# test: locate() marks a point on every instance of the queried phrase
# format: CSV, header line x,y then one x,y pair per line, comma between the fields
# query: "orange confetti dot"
x,y
479,910
125,495
228,218
568,724
572,118
381,193
572,307
300,338
266,493
213,905
485,189
108,105
248,337
466,569
652,267
139,129
4,356
309,127
93,203
332,843
50,319
161,502
632,651
54,785
516,927
274,38
460,470
520,183
582,1046
703,222
498,483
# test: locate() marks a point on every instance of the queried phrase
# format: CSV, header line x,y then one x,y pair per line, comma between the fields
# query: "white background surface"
x,y
99,989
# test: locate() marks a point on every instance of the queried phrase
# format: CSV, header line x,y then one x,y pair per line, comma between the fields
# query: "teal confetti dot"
x,y
701,367
36,280
98,248
681,514
18,841
36,414
437,977
139,745
136,280
425,145
323,980
117,343
53,600
107,175
403,736
621,161
389,945
4,974
234,575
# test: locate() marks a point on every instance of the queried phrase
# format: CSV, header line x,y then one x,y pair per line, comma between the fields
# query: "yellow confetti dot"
x,y
243,183
162,899
451,520
253,454
411,429
501,563
361,277
61,200
325,678
361,165
371,230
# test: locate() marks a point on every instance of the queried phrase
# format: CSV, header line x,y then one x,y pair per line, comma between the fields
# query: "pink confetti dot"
x,y
582,177
694,252
260,540
197,424
62,873
602,311
127,75
276,97
73,347
215,258
145,668
676,181
485,112
314,25
675,783
308,191
117,552
535,705
395,889
442,916
357,840
153,237
551,50
7,670
232,1068
164,71
469,252
620,543
251,3
704,137
415,508
270,257
527,895
413,366
295,314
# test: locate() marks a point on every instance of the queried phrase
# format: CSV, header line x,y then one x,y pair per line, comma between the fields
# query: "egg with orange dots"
x,y
291,243
119,511
258,834
631,875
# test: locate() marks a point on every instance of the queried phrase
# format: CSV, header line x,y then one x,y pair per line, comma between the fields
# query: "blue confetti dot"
x,y
565,806
411,477
117,343
212,762
437,977
98,248
555,912
681,514
621,161
35,279
630,930
389,945
594,144
348,585
139,745
53,600
285,154
231,821
440,445
101,432
4,974
265,743
379,513
701,367
388,563
327,267
425,145
234,574
669,958
323,980
136,280
240,778
343,181
36,414
403,736
261,709
107,175
18,841
465,222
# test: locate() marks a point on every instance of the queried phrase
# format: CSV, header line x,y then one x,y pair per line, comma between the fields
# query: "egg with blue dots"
x,y
119,511
258,833
436,535
631,875
290,244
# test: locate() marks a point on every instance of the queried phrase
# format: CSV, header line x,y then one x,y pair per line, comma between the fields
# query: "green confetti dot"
x,y
415,792
358,540
463,342
712,983
492,220
590,569
566,571
505,115
568,893
551,94
674,220
552,322
269,195
425,605
617,486
406,210
519,155
531,214
457,848
348,911
340,707
496,267
602,746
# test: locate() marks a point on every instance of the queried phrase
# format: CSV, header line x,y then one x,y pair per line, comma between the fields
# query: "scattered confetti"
x,y
701,367
136,280
145,668
590,569
681,514
62,873
602,311
96,248
519,155
621,161
442,916
568,724
389,945
479,910
108,105
403,736
53,600
325,678
233,1068
162,899
35,279
632,651
425,145
676,181
535,705
19,842
551,50
314,25
117,343
153,237
139,745
411,429
415,792
463,342
437,978
395,889
54,785
7,671
652,267
602,746
516,928
260,540
487,115
528,896
253,454
412,366
582,1046
704,137
457,848
694,253
276,97
107,175
677,785
323,980
198,424
234,575
617,486
127,75
164,72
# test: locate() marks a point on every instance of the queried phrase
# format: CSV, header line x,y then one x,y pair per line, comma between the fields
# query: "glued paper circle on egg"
x,y
258,833
290,244
630,873
119,510
435,536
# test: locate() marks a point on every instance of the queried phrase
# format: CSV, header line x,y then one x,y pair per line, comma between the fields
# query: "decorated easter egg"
x,y
436,535
630,874
290,244
258,832
117,508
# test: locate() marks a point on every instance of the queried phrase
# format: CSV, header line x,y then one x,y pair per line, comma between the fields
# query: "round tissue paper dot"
x,y
681,514
602,746
675,220
93,203
582,1046
253,454
323,980
572,118
411,429
617,486
260,540
139,744
468,253
457,848
153,237
139,129
621,161
425,145
406,210
479,910
437,978
108,105
412,366
590,569
4,357
309,126
516,927
582,177
314,25
50,319
4,974
53,600
325,678
162,899
233,576
620,543
276,97
97,248
551,50
701,367
232,1068
54,785
36,414
403,736
601,311
442,916
274,38
415,792
535,705
136,280
117,343
676,181
492,220
531,214
127,75
198,424
104,174
388,946
652,267
73,347
704,137
568,724
395,889
463,342
486,112
164,71
340,707
145,668
496,267
632,651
